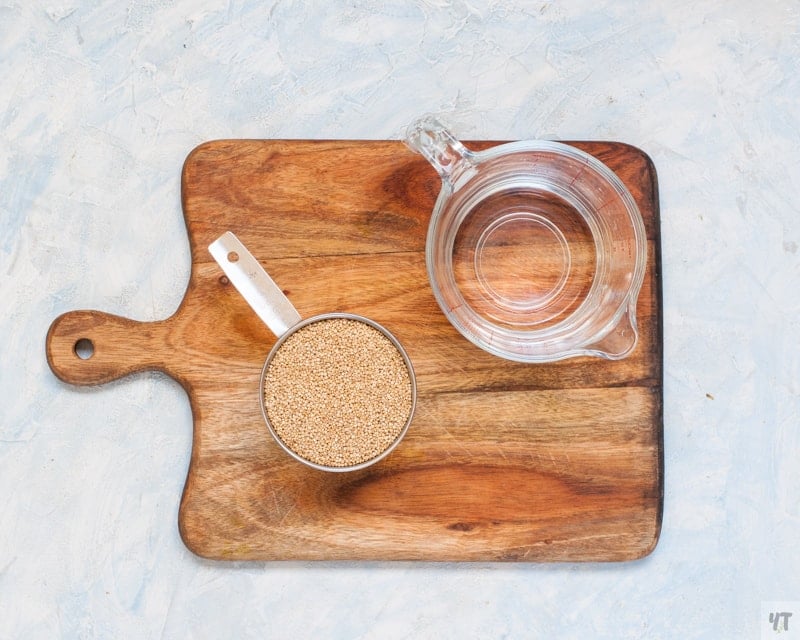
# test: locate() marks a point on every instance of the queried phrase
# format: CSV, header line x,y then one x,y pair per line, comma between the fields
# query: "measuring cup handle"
x,y
257,288
428,137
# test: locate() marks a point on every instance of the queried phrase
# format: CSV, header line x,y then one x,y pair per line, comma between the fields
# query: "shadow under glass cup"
x,y
536,251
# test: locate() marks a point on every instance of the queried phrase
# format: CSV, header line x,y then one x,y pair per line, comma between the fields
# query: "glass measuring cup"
x,y
536,251
310,429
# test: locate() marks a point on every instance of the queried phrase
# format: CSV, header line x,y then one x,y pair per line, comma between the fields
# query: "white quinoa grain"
x,y
338,392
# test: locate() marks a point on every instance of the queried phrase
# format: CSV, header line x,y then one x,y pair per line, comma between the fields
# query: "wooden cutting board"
x,y
503,461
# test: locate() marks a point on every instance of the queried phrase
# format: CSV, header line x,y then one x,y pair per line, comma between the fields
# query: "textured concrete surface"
x,y
100,102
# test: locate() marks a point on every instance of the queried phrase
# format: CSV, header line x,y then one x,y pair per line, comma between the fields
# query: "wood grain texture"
x,y
503,461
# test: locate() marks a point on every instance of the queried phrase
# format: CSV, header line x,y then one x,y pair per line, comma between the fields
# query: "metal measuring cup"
x,y
277,312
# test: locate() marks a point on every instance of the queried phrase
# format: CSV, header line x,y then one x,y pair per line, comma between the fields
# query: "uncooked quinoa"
x,y
338,392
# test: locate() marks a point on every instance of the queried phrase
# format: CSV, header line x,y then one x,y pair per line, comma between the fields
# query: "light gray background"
x,y
100,102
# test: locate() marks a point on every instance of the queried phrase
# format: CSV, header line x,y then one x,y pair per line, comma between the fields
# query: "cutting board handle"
x,y
92,347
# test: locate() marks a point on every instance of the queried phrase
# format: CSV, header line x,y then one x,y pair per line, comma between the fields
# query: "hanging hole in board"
x,y
84,348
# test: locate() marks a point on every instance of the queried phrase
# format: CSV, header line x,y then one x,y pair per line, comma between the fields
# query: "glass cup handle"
x,y
428,137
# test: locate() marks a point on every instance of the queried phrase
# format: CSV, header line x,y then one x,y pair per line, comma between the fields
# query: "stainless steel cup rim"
x,y
332,316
